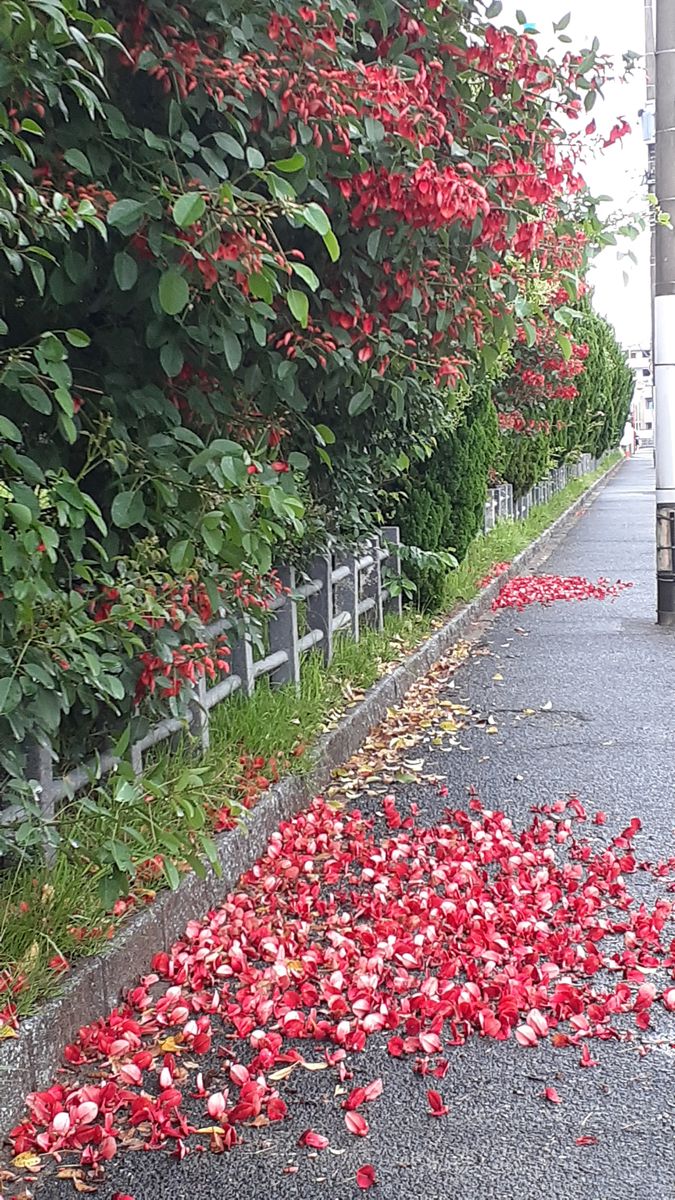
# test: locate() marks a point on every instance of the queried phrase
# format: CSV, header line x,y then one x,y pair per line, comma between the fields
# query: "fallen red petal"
x,y
365,1177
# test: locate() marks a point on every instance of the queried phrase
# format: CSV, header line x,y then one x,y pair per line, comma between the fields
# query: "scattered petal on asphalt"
x,y
365,1177
316,1141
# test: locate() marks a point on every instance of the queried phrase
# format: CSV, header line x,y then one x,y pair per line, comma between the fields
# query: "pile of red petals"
x,y
495,571
348,929
546,589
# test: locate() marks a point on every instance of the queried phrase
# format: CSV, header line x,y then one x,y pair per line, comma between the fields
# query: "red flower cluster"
x,y
430,197
546,589
187,665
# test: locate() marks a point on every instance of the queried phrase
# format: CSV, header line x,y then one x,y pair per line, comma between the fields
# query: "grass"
x,y
46,913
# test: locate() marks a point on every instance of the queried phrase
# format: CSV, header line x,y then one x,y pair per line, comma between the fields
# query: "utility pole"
x,y
664,314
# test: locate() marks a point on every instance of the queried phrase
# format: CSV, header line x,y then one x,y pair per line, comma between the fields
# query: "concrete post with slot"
x,y
664,315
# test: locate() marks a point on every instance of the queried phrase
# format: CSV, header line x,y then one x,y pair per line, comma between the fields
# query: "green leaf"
x,y
10,694
189,209
254,158
172,873
112,886
229,144
182,555
289,165
360,401
126,271
126,215
36,397
128,508
562,23
77,337
299,306
171,358
324,435
332,245
21,515
314,216
174,292
29,126
373,242
298,461
374,129
9,430
307,274
232,348
565,345
260,287
75,158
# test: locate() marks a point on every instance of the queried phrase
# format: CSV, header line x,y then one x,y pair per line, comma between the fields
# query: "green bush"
x,y
443,507
525,459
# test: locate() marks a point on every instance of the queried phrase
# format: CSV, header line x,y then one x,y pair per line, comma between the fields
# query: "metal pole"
x,y
664,314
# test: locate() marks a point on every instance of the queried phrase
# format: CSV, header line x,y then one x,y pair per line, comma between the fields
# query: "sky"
x,y
619,172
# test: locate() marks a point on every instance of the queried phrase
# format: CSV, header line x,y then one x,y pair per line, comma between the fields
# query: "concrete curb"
x,y
30,1061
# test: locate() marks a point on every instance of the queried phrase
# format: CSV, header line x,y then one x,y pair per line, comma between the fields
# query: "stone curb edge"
x,y
30,1061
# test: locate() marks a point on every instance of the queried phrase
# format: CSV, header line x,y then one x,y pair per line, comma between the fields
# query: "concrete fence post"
x,y
40,771
347,591
242,663
283,630
320,605
199,716
371,585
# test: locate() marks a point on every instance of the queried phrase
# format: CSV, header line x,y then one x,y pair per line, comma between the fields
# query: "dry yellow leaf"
x,y
170,1046
315,1066
498,676
282,1073
6,1031
27,1161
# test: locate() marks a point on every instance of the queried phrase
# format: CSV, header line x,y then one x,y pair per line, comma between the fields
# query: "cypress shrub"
x,y
445,499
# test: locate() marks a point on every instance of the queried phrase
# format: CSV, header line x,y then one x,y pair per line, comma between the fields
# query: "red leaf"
x,y
374,1090
586,1140
436,1106
551,1094
356,1124
311,1138
365,1177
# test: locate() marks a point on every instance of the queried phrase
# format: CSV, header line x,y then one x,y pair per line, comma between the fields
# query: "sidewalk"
x,y
583,703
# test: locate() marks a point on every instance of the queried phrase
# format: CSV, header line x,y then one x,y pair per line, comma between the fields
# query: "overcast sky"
x,y
619,172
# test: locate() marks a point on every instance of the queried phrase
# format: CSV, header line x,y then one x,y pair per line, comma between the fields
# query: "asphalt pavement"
x,y
597,679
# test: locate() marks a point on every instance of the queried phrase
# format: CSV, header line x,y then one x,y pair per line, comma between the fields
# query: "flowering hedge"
x,y
255,258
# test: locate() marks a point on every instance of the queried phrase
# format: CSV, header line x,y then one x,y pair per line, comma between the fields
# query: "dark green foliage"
x,y
525,459
443,508
605,388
